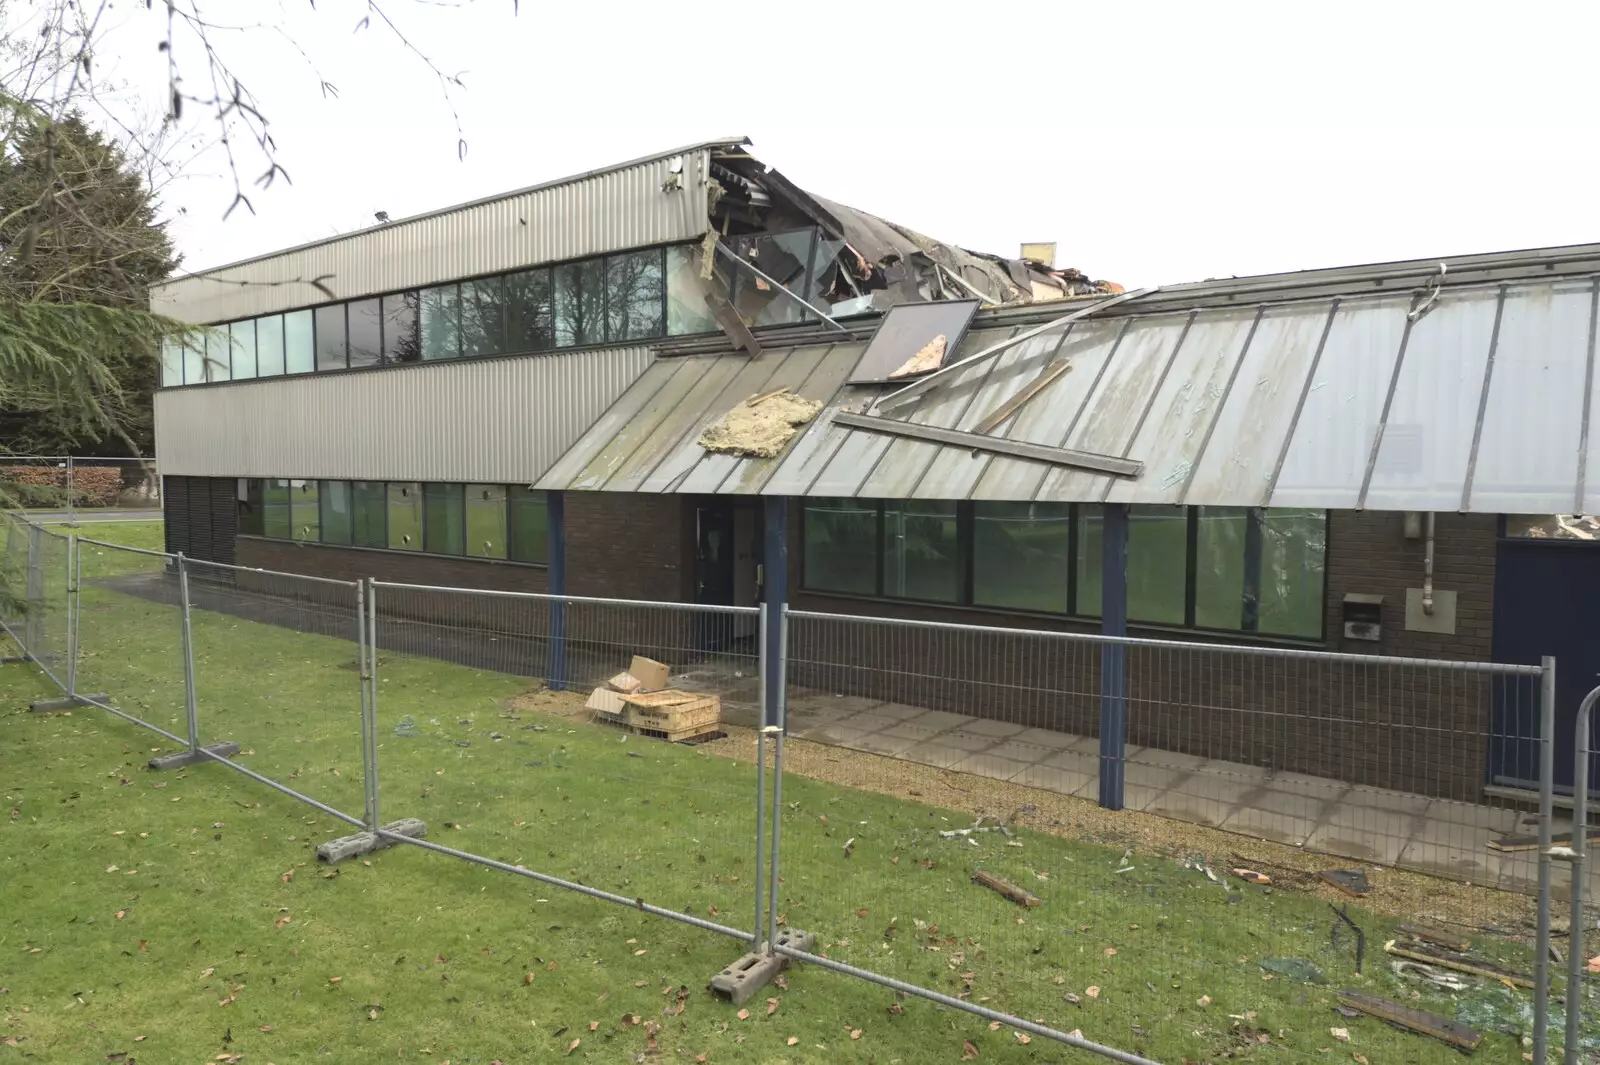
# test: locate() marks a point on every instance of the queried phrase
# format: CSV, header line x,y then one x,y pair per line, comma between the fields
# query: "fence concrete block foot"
x,y
66,702
225,749
741,980
337,850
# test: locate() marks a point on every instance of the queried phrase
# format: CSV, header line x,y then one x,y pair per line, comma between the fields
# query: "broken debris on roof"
x,y
927,358
865,262
762,426
913,339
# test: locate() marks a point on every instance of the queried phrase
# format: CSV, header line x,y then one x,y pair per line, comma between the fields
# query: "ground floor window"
x,y
1229,569
471,520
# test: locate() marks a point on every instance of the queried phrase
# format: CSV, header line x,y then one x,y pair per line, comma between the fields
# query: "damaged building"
x,y
684,378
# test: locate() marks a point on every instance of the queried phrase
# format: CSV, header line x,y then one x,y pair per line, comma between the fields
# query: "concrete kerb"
x,y
362,843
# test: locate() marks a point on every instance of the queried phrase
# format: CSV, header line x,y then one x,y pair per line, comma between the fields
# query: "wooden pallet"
x,y
673,712
694,735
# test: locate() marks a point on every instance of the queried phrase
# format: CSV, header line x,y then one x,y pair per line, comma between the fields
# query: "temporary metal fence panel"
x,y
80,487
1196,921
129,637
277,668
535,780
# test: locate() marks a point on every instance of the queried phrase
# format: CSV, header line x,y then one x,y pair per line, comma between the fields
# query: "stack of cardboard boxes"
x,y
640,699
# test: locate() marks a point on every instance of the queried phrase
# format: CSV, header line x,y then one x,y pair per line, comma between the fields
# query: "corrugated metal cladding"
x,y
1483,403
624,208
496,420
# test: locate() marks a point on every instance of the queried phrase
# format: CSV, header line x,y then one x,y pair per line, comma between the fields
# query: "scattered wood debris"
x,y
1460,962
1020,896
1530,843
1349,881
762,426
927,358
1250,876
1429,1024
1437,936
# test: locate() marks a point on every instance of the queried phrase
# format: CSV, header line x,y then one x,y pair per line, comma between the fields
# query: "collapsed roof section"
x,y
866,263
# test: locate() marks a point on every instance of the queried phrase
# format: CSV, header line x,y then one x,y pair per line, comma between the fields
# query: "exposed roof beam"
x,y
1054,456
916,388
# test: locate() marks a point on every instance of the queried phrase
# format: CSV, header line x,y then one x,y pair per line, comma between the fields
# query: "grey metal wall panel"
x,y
499,420
624,208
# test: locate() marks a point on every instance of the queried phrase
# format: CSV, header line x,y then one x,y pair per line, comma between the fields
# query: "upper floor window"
x,y
612,299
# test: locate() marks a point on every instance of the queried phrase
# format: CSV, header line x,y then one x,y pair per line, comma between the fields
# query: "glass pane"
x,y
1219,585
171,362
530,318
841,546
687,311
330,338
443,520
275,509
1021,555
530,525
305,511
1157,562
784,258
580,303
366,333
401,342
483,317
441,322
921,551
1553,526
404,513
486,520
269,346
218,360
194,360
252,508
242,355
1294,551
299,356
635,297
336,517
369,501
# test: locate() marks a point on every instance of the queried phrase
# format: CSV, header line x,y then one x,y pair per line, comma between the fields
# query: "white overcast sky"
x,y
1155,142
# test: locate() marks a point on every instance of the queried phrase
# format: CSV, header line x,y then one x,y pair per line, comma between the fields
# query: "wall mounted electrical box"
x,y
1363,617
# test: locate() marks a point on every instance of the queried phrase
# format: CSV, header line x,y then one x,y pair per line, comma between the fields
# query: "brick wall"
x,y
1421,729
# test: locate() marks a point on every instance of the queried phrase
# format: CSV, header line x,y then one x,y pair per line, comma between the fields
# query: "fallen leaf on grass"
x,y
968,1051
594,1026
772,1006
334,979
280,922
994,1026
1203,1000
1341,1034
629,1020
791,1041
121,914
1359,1059
743,1015
699,1059
781,981
1023,1037
372,1013
863,912
527,978
144,946
640,951
1594,964
1092,991
855,1033
895,1009
573,1046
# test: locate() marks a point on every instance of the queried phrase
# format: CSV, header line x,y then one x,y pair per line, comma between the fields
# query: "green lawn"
x,y
163,916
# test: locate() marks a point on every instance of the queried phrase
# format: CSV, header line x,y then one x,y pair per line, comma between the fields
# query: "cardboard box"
x,y
651,675
624,682
607,702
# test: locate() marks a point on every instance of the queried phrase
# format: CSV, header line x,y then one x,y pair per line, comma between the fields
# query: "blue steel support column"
x,y
775,591
557,509
1113,656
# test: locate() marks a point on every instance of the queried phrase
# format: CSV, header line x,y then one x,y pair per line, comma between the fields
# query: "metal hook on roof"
x,y
1422,302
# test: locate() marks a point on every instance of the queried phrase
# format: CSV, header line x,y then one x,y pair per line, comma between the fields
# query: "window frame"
x,y
551,270
966,516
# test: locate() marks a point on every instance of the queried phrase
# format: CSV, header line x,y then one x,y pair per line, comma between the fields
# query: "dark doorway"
x,y
727,556
1546,593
